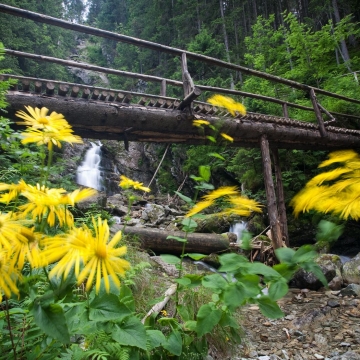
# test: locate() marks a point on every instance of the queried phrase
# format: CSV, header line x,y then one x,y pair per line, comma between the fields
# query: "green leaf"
x,y
211,138
177,238
260,269
126,297
107,307
183,311
217,156
51,320
269,308
231,262
170,259
285,270
278,289
155,338
304,253
189,225
195,256
185,198
173,343
195,280
207,318
215,282
229,320
131,333
285,255
316,270
205,172
190,325
183,281
234,295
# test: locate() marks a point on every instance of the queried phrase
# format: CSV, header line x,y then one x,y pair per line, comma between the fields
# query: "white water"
x,y
238,229
89,173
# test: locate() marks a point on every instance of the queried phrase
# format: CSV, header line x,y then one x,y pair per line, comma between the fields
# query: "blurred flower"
x,y
28,248
227,137
8,275
199,123
50,137
10,230
38,119
127,183
14,191
78,195
230,104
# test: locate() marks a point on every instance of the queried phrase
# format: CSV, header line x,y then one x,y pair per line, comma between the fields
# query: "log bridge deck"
x,y
101,113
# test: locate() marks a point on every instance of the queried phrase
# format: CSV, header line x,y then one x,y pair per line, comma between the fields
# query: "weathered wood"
x,y
280,197
102,120
95,94
25,85
50,88
159,47
155,240
196,92
85,93
63,89
285,110
103,95
38,86
163,87
319,117
270,194
111,96
74,91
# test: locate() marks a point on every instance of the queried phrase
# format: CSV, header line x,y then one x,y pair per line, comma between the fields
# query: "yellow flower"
x,y
38,119
103,258
28,248
222,191
199,123
78,195
70,250
228,103
50,137
127,183
10,230
14,191
201,205
44,202
227,137
164,313
8,275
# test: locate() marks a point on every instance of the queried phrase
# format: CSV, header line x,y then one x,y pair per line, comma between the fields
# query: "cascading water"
x,y
238,229
89,172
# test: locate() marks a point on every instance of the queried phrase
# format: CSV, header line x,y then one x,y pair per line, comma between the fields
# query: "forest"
x,y
314,42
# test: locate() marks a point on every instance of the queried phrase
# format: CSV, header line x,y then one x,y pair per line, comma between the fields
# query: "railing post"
x,y
317,113
188,84
163,88
285,110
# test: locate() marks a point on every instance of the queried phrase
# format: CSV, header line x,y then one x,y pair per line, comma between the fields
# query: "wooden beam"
x,y
270,194
107,120
318,114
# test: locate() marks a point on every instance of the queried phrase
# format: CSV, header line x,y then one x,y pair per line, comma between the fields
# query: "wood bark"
x,y
155,240
110,120
270,194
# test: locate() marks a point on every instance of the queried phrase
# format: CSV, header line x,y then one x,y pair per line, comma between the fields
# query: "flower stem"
x,y
9,327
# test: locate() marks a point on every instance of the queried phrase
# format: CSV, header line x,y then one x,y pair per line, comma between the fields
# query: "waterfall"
x,y
238,229
89,172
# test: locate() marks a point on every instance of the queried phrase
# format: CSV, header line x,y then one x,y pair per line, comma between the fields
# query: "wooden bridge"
x,y
103,113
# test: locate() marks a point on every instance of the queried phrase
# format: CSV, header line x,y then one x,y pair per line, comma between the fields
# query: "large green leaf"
x,y
269,308
155,338
316,270
131,333
51,320
107,307
189,225
208,316
278,289
215,282
231,262
126,297
173,343
205,172
304,253
285,255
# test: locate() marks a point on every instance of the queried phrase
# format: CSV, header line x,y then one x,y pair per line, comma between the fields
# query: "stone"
x,y
333,303
349,355
336,283
307,280
351,290
351,271
154,213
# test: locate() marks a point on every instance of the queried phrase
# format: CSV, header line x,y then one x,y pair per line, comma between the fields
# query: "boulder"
x,y
153,213
351,271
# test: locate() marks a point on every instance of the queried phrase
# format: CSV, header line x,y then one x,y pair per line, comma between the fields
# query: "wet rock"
x,y
351,271
351,290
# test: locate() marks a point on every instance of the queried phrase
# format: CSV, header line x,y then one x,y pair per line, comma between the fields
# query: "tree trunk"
x,y
155,240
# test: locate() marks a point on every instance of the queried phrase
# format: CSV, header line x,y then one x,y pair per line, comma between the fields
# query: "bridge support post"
x,y
280,196
270,194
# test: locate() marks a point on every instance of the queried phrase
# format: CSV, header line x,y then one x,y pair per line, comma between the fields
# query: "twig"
x,y
9,326
160,305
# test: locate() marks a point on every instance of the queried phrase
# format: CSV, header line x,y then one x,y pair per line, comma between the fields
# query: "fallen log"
x,y
156,241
